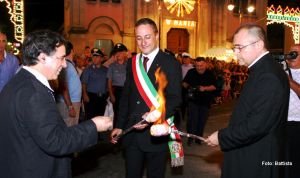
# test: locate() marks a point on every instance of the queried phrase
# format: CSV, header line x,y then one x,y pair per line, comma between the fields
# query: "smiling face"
x,y
146,38
54,63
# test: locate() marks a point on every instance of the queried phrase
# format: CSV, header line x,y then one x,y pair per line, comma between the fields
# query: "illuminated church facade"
x,y
194,26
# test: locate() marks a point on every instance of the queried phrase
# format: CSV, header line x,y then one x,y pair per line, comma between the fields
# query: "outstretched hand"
x,y
212,140
103,123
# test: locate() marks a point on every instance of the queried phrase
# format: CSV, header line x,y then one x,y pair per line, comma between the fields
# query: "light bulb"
x,y
230,7
250,9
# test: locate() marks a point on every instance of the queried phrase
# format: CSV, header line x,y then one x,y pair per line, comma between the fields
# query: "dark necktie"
x,y
146,59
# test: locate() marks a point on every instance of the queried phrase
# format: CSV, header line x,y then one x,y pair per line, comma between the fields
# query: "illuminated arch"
x,y
16,11
289,17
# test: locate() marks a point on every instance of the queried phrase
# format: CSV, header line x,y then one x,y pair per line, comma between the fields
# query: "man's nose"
x,y
64,64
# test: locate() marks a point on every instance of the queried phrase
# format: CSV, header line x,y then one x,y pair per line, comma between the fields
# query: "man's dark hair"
x,y
42,41
147,21
69,48
198,59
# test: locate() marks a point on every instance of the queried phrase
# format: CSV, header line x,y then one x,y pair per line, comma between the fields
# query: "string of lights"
x,y
16,11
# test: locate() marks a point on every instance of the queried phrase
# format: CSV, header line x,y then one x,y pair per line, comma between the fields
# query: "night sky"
x,y
39,14
283,3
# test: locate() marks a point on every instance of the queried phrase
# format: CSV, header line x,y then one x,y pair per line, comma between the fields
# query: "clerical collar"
x,y
259,57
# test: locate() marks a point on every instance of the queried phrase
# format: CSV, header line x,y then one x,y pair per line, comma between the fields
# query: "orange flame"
x,y
162,81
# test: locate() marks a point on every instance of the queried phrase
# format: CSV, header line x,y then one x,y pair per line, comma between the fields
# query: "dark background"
x,y
38,14
283,3
41,14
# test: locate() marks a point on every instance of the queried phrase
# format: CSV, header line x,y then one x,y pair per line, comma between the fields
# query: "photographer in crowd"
x,y
293,126
200,83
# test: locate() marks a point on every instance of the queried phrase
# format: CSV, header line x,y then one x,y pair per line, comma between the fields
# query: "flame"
x,y
162,82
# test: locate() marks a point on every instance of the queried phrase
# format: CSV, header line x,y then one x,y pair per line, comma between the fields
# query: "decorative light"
x,y
289,17
8,6
180,6
230,7
13,47
16,17
250,8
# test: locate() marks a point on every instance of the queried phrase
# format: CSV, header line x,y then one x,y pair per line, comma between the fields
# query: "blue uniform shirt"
x,y
117,73
95,79
8,68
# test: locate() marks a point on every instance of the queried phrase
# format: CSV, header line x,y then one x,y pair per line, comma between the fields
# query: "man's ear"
x,y
42,58
260,43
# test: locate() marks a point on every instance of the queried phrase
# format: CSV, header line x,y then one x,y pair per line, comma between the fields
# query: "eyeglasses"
x,y
239,47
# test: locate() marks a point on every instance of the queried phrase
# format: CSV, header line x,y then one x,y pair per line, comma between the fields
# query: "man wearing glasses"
x,y
253,139
37,140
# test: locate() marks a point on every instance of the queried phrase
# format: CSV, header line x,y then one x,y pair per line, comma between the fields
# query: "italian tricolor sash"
x,y
150,96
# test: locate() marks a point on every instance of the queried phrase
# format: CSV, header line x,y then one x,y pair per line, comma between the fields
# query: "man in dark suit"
x,y
35,140
252,142
139,145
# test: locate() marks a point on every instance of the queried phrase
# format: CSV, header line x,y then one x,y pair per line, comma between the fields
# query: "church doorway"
x,y
178,40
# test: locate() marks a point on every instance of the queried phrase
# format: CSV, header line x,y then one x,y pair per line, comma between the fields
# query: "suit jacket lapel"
x,y
155,64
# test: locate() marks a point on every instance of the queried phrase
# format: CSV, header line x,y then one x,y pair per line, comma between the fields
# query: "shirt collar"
x,y
40,77
152,55
258,58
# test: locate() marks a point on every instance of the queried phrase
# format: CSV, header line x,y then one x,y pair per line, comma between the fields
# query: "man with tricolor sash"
x,y
140,98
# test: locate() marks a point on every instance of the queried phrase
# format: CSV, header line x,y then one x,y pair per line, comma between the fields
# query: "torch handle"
x,y
129,129
188,135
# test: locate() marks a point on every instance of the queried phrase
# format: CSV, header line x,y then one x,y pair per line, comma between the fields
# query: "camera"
x,y
283,57
282,60
292,55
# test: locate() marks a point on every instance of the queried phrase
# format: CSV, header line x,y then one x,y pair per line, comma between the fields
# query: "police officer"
x,y
117,74
94,85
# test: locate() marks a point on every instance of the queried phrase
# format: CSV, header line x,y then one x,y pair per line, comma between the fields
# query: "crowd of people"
x,y
52,105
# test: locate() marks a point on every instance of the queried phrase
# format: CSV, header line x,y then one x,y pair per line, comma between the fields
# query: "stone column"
x,y
130,14
203,27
